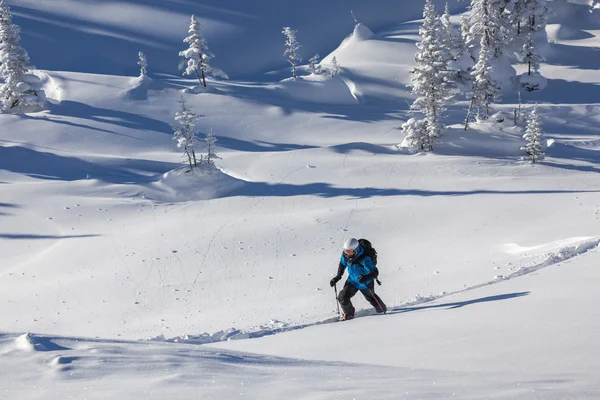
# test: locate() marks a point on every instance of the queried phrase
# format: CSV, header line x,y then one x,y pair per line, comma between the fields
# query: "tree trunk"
x,y
194,157
187,152
203,78
529,68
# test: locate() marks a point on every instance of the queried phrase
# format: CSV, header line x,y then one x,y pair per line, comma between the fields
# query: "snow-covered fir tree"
x,y
143,63
313,64
18,90
210,142
462,62
536,13
486,90
291,48
530,55
417,135
184,132
487,22
534,137
197,57
335,67
448,35
430,81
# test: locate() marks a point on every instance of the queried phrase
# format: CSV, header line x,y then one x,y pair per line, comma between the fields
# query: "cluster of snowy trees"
x,y
19,90
186,136
314,67
472,63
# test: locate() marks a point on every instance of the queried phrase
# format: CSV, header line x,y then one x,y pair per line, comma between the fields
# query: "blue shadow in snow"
x,y
258,145
15,236
560,91
326,190
50,166
460,304
109,117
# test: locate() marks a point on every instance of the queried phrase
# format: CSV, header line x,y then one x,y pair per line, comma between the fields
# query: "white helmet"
x,y
350,246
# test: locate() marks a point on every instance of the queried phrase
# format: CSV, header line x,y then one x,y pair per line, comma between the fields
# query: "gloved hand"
x,y
334,280
363,278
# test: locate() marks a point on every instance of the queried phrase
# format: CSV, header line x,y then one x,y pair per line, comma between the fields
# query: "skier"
x,y
361,273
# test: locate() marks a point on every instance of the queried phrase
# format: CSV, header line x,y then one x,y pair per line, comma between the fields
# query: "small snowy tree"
x,y
530,55
335,67
417,135
291,48
486,90
143,63
184,132
533,135
197,57
210,142
430,78
313,64
18,90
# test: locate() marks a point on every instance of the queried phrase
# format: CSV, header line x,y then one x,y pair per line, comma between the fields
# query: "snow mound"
x,y
320,89
360,34
51,88
533,82
138,88
203,183
30,343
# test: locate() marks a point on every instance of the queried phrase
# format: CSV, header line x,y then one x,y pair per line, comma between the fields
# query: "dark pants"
x,y
350,290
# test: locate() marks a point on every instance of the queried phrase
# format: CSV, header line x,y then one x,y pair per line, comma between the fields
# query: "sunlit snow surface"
x,y
137,279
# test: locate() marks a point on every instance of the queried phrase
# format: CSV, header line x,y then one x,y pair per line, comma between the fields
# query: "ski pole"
x,y
336,299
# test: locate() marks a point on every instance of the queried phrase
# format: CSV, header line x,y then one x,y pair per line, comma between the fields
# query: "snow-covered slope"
x,y
487,262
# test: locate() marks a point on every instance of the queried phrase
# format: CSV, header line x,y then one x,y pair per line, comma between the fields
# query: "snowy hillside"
x,y
123,275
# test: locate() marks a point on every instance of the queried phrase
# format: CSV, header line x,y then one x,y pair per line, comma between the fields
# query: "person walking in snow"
x,y
361,274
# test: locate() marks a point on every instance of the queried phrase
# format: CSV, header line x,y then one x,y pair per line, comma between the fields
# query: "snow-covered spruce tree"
x,y
197,57
17,91
417,136
210,142
486,90
536,13
461,62
291,48
487,22
313,64
184,132
430,80
533,135
335,67
143,63
448,35
530,55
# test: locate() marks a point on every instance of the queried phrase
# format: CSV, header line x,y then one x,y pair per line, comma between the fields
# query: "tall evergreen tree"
x,y
16,92
430,80
533,135
486,90
487,22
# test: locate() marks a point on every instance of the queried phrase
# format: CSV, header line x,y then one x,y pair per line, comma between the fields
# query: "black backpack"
x,y
369,250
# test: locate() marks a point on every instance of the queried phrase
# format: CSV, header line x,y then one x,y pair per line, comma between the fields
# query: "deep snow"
x,y
488,262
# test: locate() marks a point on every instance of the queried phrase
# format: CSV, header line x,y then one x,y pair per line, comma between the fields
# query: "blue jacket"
x,y
364,266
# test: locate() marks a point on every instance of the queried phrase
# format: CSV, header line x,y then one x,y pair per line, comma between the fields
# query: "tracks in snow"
x,y
273,327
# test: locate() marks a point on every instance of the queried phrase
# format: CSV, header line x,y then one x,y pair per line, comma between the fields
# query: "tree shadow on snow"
x,y
459,304
50,166
560,91
110,117
15,236
326,190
